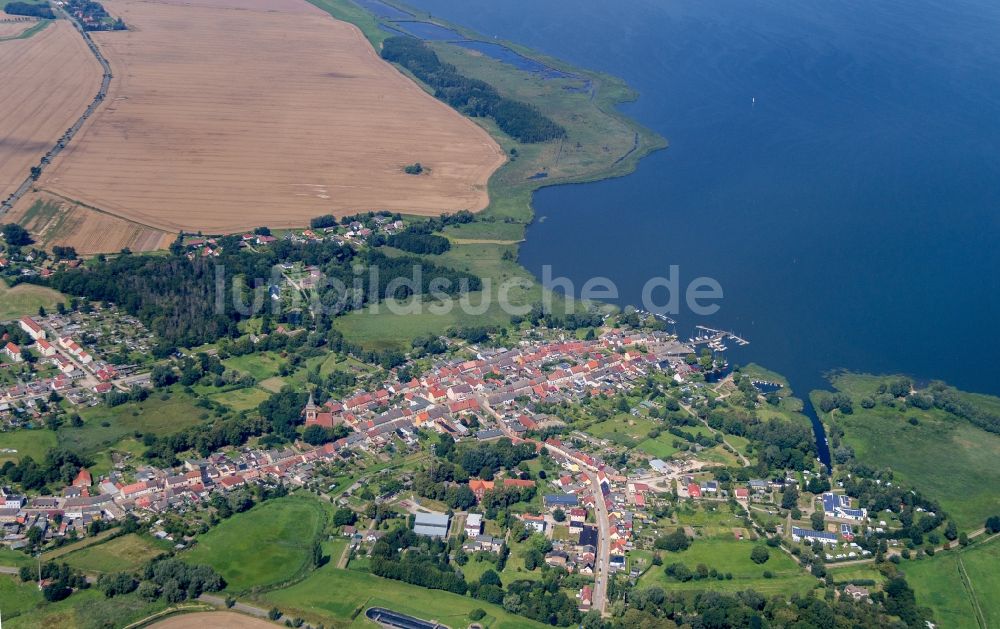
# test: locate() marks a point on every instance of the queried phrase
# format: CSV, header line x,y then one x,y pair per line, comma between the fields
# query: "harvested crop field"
x,y
12,26
47,81
58,222
224,117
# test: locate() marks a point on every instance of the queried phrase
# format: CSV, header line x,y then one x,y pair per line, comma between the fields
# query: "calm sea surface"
x,y
851,214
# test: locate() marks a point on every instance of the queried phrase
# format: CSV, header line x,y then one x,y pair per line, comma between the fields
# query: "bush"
x,y
477,614
759,554
148,591
673,542
993,524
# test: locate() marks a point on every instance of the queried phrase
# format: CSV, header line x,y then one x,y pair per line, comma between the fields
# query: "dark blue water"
x,y
851,214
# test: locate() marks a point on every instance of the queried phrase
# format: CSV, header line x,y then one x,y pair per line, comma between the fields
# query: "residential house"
x,y
474,524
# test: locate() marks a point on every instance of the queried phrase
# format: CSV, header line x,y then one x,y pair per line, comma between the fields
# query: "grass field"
x,y
260,365
87,609
338,598
34,443
160,417
849,573
25,299
960,585
264,546
515,570
18,598
14,558
725,554
128,553
938,454
708,522
241,399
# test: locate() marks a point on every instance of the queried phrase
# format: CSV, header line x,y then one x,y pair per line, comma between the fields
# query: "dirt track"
x,y
46,82
212,620
220,119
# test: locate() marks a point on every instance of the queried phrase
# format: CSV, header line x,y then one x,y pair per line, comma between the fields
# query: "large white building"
x,y
431,524
34,330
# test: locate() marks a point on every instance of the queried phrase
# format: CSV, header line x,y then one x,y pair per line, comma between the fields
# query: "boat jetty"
x,y
715,339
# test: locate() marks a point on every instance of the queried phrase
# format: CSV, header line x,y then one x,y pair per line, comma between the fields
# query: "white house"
x,y
34,330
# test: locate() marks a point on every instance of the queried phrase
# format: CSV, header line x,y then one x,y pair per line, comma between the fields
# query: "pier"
x,y
715,339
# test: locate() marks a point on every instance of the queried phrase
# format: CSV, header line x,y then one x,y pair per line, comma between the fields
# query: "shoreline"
x,y
645,140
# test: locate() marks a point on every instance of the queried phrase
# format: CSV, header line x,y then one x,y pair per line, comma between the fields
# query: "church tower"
x,y
311,409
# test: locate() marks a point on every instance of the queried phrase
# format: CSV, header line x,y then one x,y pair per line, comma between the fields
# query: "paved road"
x,y
601,572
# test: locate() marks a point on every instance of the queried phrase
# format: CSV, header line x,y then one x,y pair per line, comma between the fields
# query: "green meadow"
x,y
945,457
725,554
105,427
265,546
25,299
125,553
959,586
338,598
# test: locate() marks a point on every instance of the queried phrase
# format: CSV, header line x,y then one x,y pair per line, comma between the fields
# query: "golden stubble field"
x,y
224,116
11,25
46,82
58,222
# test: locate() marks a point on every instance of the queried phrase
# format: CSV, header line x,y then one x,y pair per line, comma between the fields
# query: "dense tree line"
x,y
15,334
366,218
416,242
178,580
204,438
542,601
656,608
784,444
502,497
573,321
62,580
424,563
182,302
949,399
32,10
492,456
14,234
95,17
59,468
472,97
283,411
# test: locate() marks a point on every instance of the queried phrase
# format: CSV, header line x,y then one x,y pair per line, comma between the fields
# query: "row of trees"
x,y
472,97
30,9
416,242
